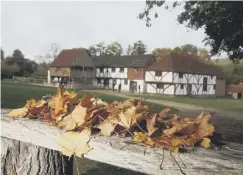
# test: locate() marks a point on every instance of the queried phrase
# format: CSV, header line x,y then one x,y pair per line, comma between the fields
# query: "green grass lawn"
x,y
15,95
224,104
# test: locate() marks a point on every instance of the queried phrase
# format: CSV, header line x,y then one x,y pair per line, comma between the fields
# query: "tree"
x,y
17,54
129,50
159,52
92,50
139,48
114,49
203,54
100,48
189,49
222,22
177,50
52,53
2,54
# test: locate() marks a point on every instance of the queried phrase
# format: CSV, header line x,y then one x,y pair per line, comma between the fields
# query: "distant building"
x,y
173,74
73,66
235,90
128,71
182,74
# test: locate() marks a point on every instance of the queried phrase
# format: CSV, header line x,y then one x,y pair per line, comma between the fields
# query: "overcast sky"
x,y
32,26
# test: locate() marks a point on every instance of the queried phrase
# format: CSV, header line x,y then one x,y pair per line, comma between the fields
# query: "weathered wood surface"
x,y
131,156
20,158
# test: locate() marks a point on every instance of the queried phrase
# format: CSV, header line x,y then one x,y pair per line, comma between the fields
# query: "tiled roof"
x,y
186,64
235,88
123,61
68,56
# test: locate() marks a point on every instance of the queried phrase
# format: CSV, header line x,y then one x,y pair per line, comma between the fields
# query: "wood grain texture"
x,y
20,158
108,150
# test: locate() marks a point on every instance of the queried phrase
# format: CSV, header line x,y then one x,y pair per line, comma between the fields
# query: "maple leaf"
x,y
106,128
59,103
143,138
86,101
164,112
150,124
76,118
129,117
75,143
19,112
205,143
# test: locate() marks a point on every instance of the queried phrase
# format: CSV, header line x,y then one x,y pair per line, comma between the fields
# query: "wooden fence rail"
x,y
35,142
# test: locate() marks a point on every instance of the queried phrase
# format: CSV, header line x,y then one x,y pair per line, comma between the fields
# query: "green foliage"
x,y
114,49
189,49
177,50
159,52
17,65
222,22
129,50
139,48
2,55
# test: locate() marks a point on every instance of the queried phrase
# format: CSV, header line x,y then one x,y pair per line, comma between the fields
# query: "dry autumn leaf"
x,y
75,143
150,124
76,118
19,112
129,117
142,138
106,128
205,143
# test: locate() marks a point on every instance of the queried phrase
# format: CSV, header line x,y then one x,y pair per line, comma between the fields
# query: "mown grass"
x,y
225,104
16,94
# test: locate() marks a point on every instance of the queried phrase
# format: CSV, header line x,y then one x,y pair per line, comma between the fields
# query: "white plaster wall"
x,y
169,89
197,89
193,78
108,73
124,87
166,76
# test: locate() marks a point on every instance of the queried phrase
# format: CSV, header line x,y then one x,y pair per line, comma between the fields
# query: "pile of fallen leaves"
x,y
129,118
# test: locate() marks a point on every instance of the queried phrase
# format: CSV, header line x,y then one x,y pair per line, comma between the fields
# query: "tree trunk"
x,y
19,158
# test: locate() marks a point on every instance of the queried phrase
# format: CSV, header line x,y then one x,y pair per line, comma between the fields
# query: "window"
x,y
214,87
113,69
125,82
158,73
211,76
160,86
101,70
121,69
180,75
205,83
182,86
98,80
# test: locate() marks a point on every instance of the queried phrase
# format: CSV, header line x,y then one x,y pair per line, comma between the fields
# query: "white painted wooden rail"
x,y
131,156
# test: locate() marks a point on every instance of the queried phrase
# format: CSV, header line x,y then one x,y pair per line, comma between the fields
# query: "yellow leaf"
x,y
176,142
75,143
141,137
19,112
76,118
129,117
205,143
106,128
175,149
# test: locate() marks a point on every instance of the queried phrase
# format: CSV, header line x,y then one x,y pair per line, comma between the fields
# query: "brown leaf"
x,y
150,124
86,101
129,117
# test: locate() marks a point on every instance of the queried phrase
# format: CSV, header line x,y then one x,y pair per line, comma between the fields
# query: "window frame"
x,y
122,70
158,73
180,75
113,69
158,86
